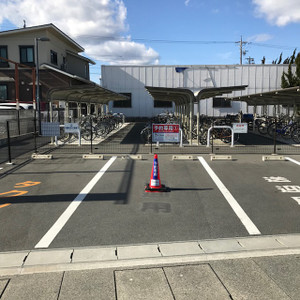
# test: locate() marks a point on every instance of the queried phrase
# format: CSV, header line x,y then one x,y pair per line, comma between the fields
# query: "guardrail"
x,y
223,126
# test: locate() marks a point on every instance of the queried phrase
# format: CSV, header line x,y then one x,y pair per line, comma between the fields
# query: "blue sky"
x,y
176,32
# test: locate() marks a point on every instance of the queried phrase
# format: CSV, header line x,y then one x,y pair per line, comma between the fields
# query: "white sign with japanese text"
x,y
71,127
165,133
240,127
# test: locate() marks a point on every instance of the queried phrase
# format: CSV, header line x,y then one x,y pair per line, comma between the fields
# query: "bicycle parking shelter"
x,y
288,96
88,94
185,99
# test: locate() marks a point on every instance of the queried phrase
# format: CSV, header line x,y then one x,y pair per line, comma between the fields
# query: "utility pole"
x,y
242,52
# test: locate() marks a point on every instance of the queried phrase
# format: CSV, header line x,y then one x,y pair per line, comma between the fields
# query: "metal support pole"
x,y
8,142
198,122
17,88
191,121
66,117
275,131
151,137
37,84
36,48
34,126
91,135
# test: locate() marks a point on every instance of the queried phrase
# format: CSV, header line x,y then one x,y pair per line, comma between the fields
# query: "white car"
x,y
7,105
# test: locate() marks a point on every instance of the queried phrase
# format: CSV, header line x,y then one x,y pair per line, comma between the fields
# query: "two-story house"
x,y
60,68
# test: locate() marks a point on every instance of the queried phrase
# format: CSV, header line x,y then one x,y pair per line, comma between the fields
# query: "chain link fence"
x,y
22,138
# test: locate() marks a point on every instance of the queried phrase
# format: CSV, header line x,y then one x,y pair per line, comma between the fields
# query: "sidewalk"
x,y
257,267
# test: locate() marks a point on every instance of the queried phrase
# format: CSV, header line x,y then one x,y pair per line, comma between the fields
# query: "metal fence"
x,y
23,139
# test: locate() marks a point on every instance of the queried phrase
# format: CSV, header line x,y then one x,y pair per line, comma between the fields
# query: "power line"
x,y
112,38
241,43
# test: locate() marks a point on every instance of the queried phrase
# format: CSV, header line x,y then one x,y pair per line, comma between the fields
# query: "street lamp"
x,y
36,49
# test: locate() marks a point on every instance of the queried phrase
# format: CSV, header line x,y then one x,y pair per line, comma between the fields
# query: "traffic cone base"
x,y
161,189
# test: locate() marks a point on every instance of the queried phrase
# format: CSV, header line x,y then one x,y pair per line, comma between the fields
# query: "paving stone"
x,y
48,257
188,248
220,246
284,270
195,282
97,254
88,284
146,284
3,283
13,259
33,287
244,279
139,251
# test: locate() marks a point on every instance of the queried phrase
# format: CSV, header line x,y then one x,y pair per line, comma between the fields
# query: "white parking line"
x,y
63,219
249,225
293,160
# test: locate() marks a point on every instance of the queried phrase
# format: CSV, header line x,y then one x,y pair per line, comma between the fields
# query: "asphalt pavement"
x,y
86,229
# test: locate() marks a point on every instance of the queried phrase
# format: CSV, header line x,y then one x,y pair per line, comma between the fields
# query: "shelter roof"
x,y
288,96
85,93
184,95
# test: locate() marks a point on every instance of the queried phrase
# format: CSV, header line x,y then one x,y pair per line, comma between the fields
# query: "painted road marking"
x,y
4,205
63,219
13,193
26,184
249,225
293,160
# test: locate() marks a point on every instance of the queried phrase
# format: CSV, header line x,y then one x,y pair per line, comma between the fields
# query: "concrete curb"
x,y
55,260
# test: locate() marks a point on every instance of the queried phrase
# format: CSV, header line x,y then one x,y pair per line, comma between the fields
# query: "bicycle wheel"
x,y
295,135
146,135
236,137
64,137
86,133
203,138
263,128
226,135
274,129
286,132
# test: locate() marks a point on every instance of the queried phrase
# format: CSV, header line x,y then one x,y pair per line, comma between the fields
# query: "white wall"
x,y
132,79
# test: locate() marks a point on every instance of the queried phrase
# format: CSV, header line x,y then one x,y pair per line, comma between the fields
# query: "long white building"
x,y
132,80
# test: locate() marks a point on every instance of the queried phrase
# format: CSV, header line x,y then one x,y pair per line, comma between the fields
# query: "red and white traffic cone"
x,y
155,183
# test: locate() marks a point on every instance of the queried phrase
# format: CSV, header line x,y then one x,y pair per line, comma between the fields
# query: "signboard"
x,y
240,127
50,129
71,127
165,133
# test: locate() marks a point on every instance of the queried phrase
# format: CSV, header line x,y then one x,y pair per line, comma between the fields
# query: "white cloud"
x,y
124,52
278,12
97,25
186,2
262,37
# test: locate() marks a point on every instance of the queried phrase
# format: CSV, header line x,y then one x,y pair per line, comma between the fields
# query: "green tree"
x,y
280,59
288,79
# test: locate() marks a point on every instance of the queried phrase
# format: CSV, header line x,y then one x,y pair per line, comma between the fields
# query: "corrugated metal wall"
x,y
132,79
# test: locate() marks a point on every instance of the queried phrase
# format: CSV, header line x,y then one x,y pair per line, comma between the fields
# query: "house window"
x,y
123,103
53,56
221,102
3,92
3,53
158,103
27,55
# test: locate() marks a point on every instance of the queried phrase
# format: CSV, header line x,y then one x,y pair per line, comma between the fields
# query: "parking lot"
x,y
72,202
